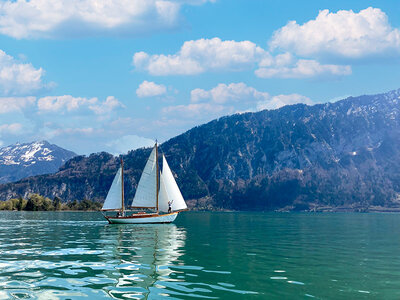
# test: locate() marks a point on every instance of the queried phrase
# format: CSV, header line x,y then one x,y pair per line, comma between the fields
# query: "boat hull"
x,y
143,219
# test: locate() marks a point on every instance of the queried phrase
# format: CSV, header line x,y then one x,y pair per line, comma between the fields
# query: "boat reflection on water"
x,y
142,256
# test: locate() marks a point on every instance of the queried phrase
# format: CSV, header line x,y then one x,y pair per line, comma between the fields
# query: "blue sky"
x,y
91,77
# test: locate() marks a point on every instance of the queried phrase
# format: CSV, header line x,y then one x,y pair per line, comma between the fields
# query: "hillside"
x,y
22,160
334,155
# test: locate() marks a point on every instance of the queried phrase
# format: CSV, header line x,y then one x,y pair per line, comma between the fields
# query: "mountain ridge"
x,y
21,160
299,157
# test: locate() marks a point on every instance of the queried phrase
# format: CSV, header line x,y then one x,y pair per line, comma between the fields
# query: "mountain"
x,y
22,160
333,156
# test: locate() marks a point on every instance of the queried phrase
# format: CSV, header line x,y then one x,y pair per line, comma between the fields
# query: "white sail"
x,y
169,190
147,188
163,196
114,196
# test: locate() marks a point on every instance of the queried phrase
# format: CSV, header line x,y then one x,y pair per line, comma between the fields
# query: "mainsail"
x,y
146,192
114,196
169,190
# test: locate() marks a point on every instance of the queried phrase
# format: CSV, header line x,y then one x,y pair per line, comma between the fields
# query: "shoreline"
x,y
317,210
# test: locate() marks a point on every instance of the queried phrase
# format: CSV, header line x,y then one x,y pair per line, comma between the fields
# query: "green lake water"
x,y
68,255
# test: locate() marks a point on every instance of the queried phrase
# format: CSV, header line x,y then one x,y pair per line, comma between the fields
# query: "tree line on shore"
x,y
36,202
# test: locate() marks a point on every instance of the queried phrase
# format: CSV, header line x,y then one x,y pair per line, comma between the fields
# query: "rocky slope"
x,y
343,155
22,160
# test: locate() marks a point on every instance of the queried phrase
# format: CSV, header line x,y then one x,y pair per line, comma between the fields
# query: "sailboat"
x,y
157,192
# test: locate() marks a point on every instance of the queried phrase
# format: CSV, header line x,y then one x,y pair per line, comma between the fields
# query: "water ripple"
x,y
205,255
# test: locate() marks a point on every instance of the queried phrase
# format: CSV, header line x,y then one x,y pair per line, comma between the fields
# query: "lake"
x,y
212,255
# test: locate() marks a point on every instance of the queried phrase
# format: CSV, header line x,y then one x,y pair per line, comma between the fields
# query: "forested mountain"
x,y
334,155
22,160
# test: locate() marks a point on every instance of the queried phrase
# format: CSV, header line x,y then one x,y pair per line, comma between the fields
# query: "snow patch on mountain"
x,y
26,154
26,159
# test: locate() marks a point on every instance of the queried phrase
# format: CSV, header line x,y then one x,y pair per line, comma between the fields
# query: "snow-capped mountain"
x,y
22,160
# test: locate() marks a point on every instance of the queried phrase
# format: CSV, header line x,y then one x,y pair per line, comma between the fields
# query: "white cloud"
x,y
70,18
13,104
200,56
282,59
302,68
203,55
281,100
107,106
198,95
61,103
224,94
227,99
18,78
345,33
14,128
150,89
298,51
207,105
129,142
68,103
233,92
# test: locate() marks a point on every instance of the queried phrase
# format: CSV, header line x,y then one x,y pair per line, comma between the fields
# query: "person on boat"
x,y
169,205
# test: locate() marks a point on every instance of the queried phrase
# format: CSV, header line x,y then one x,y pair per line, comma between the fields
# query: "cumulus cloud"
x,y
345,33
296,51
201,55
224,93
69,103
107,106
302,68
58,104
66,102
227,99
71,18
18,78
150,89
248,96
208,104
13,104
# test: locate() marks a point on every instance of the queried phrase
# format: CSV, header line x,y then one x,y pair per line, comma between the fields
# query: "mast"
x,y
122,186
157,177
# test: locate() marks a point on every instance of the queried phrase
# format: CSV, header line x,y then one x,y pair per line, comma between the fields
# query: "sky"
x,y
115,75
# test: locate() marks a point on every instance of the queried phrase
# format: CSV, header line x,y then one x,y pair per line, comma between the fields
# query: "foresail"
x,y
114,196
172,192
147,188
163,196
